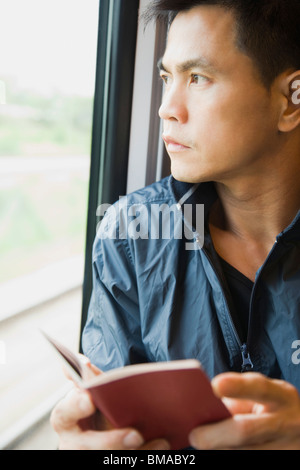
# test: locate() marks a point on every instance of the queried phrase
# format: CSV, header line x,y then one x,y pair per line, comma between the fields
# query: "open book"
x,y
161,400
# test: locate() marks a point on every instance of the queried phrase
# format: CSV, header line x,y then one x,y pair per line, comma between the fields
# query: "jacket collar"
x,y
188,193
292,232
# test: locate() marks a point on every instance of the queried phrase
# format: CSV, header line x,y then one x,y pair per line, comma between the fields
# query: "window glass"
x,y
47,77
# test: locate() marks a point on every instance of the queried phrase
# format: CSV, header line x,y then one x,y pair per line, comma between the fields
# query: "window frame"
x,y
117,37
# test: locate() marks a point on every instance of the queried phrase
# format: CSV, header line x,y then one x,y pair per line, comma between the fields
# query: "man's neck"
x,y
258,213
247,218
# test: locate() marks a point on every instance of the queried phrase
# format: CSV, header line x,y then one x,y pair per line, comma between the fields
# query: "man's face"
x,y
220,122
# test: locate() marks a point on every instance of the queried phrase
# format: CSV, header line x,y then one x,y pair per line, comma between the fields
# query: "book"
x,y
161,400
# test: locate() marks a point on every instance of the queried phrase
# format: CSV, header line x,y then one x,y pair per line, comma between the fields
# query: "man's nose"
x,y
174,106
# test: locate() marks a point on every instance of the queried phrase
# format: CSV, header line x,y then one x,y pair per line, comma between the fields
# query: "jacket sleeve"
x,y
112,334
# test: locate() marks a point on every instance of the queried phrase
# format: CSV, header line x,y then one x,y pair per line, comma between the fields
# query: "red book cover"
x,y
161,400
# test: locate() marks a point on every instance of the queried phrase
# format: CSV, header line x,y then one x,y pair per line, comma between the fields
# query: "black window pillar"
x,y
118,21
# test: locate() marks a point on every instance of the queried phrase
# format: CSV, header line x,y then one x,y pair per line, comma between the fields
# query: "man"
x,y
231,128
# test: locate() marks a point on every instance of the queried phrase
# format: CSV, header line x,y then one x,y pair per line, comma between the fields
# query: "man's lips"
x,y
173,145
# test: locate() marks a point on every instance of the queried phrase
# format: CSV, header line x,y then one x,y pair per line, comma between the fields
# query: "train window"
x,y
48,63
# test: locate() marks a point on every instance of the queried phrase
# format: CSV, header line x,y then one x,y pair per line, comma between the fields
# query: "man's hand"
x,y
266,415
81,427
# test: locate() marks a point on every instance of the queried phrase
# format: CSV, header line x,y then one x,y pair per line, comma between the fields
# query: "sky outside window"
x,y
47,76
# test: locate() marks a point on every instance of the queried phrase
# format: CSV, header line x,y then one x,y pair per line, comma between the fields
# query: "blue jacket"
x,y
159,298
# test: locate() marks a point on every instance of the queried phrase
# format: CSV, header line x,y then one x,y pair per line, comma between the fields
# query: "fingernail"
x,y
192,439
161,445
196,440
133,440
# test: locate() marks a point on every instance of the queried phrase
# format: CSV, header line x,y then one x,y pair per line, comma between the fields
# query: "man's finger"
x,y
115,439
235,433
238,406
254,386
76,406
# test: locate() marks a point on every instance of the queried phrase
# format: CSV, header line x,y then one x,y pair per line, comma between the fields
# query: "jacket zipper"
x,y
247,364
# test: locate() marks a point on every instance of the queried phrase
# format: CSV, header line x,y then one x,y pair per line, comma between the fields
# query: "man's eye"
x,y
198,79
165,79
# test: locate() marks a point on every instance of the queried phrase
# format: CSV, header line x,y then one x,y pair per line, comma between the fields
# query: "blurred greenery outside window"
x,y
48,52
47,73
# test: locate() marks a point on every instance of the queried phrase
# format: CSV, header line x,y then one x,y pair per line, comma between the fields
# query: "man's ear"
x,y
289,84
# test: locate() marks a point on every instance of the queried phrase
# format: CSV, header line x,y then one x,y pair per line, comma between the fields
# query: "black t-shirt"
x,y
240,288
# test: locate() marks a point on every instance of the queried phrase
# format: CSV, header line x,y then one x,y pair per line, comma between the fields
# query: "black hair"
x,y
266,30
